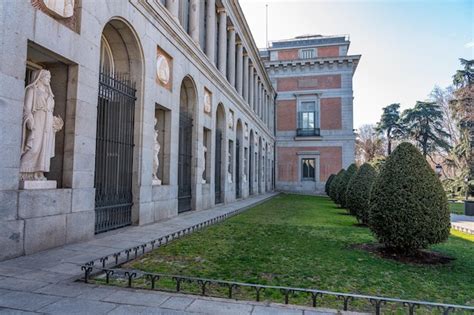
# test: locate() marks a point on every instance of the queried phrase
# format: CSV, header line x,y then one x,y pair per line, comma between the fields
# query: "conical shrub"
x,y
408,206
358,192
328,183
342,187
333,188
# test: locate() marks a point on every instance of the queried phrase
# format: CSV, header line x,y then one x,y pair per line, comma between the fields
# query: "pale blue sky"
x,y
407,47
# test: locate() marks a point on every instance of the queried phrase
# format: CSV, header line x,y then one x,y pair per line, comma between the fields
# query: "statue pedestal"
x,y
38,184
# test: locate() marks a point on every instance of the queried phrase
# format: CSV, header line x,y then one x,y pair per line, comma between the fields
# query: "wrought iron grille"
x,y
218,168
308,132
114,152
184,162
237,169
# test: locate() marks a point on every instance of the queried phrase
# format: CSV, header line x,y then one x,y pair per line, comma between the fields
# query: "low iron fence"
x,y
104,270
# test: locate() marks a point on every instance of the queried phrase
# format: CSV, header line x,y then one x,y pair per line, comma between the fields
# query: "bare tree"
x,y
369,144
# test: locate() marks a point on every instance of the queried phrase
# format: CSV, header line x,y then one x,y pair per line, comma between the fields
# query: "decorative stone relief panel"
x,y
66,12
164,69
207,101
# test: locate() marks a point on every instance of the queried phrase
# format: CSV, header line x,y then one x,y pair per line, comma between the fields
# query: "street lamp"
x,y
438,169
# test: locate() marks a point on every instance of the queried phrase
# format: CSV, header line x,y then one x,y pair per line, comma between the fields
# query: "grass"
x,y
305,241
456,208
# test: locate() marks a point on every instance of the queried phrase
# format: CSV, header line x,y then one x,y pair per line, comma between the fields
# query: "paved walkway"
x,y
463,223
44,282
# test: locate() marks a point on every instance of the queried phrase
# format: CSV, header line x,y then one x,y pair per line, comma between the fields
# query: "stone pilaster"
x,y
245,82
194,20
211,30
173,7
231,56
222,62
239,61
251,87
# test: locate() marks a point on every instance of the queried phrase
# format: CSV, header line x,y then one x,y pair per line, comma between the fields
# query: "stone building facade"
x,y
165,106
314,109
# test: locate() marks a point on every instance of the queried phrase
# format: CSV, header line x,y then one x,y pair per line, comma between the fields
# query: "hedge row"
x,y
403,202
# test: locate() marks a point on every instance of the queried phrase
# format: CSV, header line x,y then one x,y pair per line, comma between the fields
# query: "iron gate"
x,y
184,162
114,153
237,169
251,170
218,168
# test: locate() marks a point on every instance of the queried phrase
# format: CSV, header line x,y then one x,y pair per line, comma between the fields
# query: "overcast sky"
x,y
407,47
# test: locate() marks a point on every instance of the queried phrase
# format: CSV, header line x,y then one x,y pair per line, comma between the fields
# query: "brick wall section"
x,y
332,81
286,115
331,117
288,54
329,51
330,161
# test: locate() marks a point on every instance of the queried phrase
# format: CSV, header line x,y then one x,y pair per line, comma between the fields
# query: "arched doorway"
x,y
120,77
238,158
219,164
251,162
187,107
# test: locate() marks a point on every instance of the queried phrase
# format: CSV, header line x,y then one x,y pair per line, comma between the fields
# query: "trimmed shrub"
x,y
408,206
342,187
378,162
358,192
333,188
328,183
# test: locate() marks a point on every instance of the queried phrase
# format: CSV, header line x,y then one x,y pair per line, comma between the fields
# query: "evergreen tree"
x,y
390,124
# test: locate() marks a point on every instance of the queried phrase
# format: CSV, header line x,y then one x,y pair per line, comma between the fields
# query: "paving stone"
x,y
131,309
177,302
3,291
273,310
137,298
77,306
215,307
96,293
321,312
66,268
44,276
21,284
10,311
26,301
66,290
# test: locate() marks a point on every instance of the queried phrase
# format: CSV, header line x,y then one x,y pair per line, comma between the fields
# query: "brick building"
x,y
314,109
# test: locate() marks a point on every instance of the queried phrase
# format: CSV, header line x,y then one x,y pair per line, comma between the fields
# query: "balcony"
x,y
308,132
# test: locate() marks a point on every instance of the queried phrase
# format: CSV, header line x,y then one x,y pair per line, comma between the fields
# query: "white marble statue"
x,y
244,176
39,128
207,101
229,172
60,8
156,158
203,164
230,121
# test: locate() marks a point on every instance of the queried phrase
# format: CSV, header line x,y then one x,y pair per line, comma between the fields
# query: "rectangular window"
x,y
307,169
307,53
307,115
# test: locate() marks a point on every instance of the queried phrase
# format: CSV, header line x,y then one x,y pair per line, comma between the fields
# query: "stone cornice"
x,y
158,14
352,59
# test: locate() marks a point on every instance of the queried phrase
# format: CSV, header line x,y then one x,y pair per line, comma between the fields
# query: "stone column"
x,y
211,30
194,20
231,56
173,7
222,41
251,87
245,82
238,83
255,92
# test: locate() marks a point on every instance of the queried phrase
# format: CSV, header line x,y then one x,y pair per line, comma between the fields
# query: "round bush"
x,y
358,192
333,188
408,206
328,183
342,187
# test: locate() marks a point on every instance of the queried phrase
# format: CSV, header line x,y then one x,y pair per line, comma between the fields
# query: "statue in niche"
x,y
60,8
229,170
39,128
207,102
156,156
203,162
230,121
244,176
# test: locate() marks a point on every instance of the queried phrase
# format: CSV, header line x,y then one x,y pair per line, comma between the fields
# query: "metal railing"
x,y
146,280
308,132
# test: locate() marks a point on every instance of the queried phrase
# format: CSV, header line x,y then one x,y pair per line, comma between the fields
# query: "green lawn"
x,y
305,241
457,208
